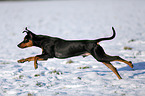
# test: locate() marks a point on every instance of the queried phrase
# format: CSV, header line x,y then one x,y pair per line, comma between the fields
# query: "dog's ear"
x,y
26,30
29,33
32,35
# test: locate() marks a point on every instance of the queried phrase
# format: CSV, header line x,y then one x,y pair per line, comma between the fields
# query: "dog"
x,y
60,48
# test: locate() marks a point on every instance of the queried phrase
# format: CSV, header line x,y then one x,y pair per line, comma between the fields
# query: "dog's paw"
x,y
35,65
21,61
131,65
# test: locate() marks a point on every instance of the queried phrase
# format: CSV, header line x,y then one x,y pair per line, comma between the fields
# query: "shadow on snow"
x,y
137,66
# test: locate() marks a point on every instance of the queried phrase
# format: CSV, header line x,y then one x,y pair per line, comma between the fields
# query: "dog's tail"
x,y
107,38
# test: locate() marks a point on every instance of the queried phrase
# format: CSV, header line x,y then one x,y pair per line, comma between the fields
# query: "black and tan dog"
x,y
60,48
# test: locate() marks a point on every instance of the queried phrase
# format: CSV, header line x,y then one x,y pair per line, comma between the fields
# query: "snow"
x,y
84,19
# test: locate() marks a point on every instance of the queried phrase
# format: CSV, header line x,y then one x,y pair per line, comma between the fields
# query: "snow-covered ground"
x,y
73,20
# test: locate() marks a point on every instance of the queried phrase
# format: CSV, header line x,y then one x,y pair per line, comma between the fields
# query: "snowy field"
x,y
73,20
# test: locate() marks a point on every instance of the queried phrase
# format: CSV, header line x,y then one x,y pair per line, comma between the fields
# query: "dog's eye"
x,y
25,40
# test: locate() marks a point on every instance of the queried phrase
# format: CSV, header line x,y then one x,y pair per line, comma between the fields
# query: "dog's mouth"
x,y
20,46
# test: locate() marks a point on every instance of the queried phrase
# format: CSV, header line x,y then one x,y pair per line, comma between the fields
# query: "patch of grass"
x,y
127,48
24,85
79,78
30,94
56,72
132,40
69,61
36,75
40,84
4,62
56,93
86,67
115,91
21,76
123,94
49,85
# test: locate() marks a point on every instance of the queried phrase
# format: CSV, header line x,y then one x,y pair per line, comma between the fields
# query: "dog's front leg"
x,y
27,59
40,58
35,59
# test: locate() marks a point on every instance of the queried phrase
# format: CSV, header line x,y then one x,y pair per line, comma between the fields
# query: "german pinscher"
x,y
60,48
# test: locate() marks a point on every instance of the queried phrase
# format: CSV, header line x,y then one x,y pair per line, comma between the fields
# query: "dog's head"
x,y
28,39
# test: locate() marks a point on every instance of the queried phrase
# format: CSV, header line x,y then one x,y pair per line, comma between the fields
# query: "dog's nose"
x,y
18,45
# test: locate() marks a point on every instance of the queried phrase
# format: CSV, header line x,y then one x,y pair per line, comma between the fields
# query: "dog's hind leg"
x,y
99,54
117,58
110,66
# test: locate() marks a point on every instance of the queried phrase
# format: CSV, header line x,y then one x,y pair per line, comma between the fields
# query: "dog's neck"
x,y
37,41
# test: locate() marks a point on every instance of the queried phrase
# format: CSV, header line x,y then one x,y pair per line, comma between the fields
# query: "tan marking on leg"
x,y
27,59
127,62
110,66
35,59
86,54
35,62
30,59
